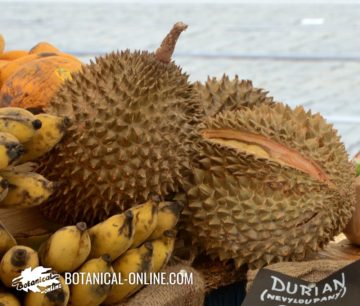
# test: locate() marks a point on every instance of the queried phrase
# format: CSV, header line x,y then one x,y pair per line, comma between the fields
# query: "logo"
x,y
39,279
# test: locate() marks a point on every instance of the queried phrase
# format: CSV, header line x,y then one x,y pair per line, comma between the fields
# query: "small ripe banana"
x,y
15,260
57,297
112,236
133,261
52,131
168,217
7,241
66,249
10,149
92,294
4,188
18,122
162,250
26,189
9,299
145,219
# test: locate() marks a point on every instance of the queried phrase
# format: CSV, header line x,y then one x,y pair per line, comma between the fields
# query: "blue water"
x,y
317,66
97,27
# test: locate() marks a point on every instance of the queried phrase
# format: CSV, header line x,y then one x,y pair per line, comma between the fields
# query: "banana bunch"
x,y
67,249
25,137
139,240
148,258
130,229
92,294
149,243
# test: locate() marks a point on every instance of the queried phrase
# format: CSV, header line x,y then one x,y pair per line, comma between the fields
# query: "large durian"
x,y
218,95
132,114
269,184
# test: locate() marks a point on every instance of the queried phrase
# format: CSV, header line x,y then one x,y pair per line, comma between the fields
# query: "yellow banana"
x,y
112,236
15,260
162,250
168,216
8,299
57,297
66,249
18,122
92,294
7,241
145,219
4,188
52,130
133,261
26,189
10,149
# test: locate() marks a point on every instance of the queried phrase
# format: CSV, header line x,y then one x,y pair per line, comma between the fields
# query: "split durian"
x,y
229,94
270,183
132,115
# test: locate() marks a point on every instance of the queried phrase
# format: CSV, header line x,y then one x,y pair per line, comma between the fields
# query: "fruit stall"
x,y
123,167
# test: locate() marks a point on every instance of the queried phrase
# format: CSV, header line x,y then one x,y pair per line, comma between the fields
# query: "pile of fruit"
x,y
30,78
139,240
24,137
261,182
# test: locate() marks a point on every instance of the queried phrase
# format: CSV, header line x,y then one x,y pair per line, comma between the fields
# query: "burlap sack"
x,y
217,274
171,295
310,271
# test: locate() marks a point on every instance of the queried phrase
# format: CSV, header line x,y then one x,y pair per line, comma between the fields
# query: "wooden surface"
x,y
26,220
27,225
339,249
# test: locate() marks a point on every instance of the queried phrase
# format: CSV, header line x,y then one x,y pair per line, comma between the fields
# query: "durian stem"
x,y
167,47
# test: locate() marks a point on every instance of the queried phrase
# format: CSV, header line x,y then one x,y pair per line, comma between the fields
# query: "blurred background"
x,y
305,53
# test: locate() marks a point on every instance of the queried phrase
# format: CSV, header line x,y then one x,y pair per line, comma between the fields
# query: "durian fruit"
x,y
217,95
270,184
132,115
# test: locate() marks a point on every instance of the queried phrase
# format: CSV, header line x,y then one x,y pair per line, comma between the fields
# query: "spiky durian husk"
x,y
217,95
257,210
132,117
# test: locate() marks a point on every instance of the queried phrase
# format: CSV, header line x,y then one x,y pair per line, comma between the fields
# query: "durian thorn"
x,y
278,152
167,47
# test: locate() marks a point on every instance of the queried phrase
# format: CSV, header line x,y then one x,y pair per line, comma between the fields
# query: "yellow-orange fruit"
x,y
2,44
33,84
43,47
13,55
3,63
14,65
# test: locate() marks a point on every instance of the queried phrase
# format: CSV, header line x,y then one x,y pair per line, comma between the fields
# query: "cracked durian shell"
x,y
217,95
132,115
270,184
